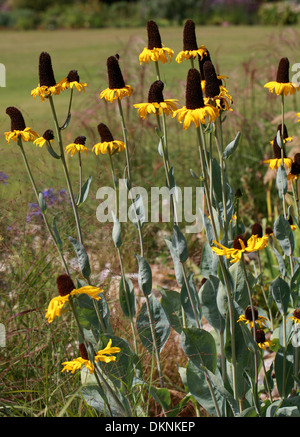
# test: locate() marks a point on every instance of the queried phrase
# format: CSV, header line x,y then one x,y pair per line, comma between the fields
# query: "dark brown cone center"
x,y
237,244
283,71
156,92
46,75
115,77
65,285
193,94
295,168
73,76
205,58
80,140
257,230
297,313
285,132
260,336
16,117
277,149
297,158
104,133
154,39
48,135
248,313
83,352
189,36
212,83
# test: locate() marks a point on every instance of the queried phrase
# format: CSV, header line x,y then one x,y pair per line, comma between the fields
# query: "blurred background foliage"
x,y
76,14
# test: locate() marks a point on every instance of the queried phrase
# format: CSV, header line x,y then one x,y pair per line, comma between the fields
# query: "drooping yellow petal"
x,y
188,54
112,146
162,54
89,290
55,307
279,87
76,364
116,93
105,354
75,147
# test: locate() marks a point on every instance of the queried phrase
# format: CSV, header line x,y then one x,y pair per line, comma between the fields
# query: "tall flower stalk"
x,y
116,91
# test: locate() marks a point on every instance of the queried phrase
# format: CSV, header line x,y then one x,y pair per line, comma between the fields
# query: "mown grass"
x,y
31,362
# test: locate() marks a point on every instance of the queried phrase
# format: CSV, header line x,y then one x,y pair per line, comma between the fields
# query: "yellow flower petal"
x,y
279,88
105,354
112,146
116,93
89,290
55,307
76,364
74,147
162,54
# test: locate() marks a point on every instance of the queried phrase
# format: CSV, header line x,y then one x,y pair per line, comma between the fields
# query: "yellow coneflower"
x,y
47,83
72,81
282,83
116,85
296,316
240,246
156,102
190,46
215,92
77,146
261,339
195,111
66,289
104,355
47,136
18,127
247,317
107,144
295,168
155,51
275,162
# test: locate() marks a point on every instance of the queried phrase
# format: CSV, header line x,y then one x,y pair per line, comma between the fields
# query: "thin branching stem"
x,y
44,215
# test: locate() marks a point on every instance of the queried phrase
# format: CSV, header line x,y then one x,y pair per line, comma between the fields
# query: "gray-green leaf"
x,y
144,275
82,257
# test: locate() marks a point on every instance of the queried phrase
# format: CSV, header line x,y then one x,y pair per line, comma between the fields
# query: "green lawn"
x,y
87,51
233,51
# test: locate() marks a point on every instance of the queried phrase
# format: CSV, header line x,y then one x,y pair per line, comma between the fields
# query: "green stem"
x,y
296,360
69,111
80,177
158,363
282,149
223,269
220,151
266,378
284,355
263,291
63,160
114,182
253,329
124,130
120,258
167,170
190,296
20,144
